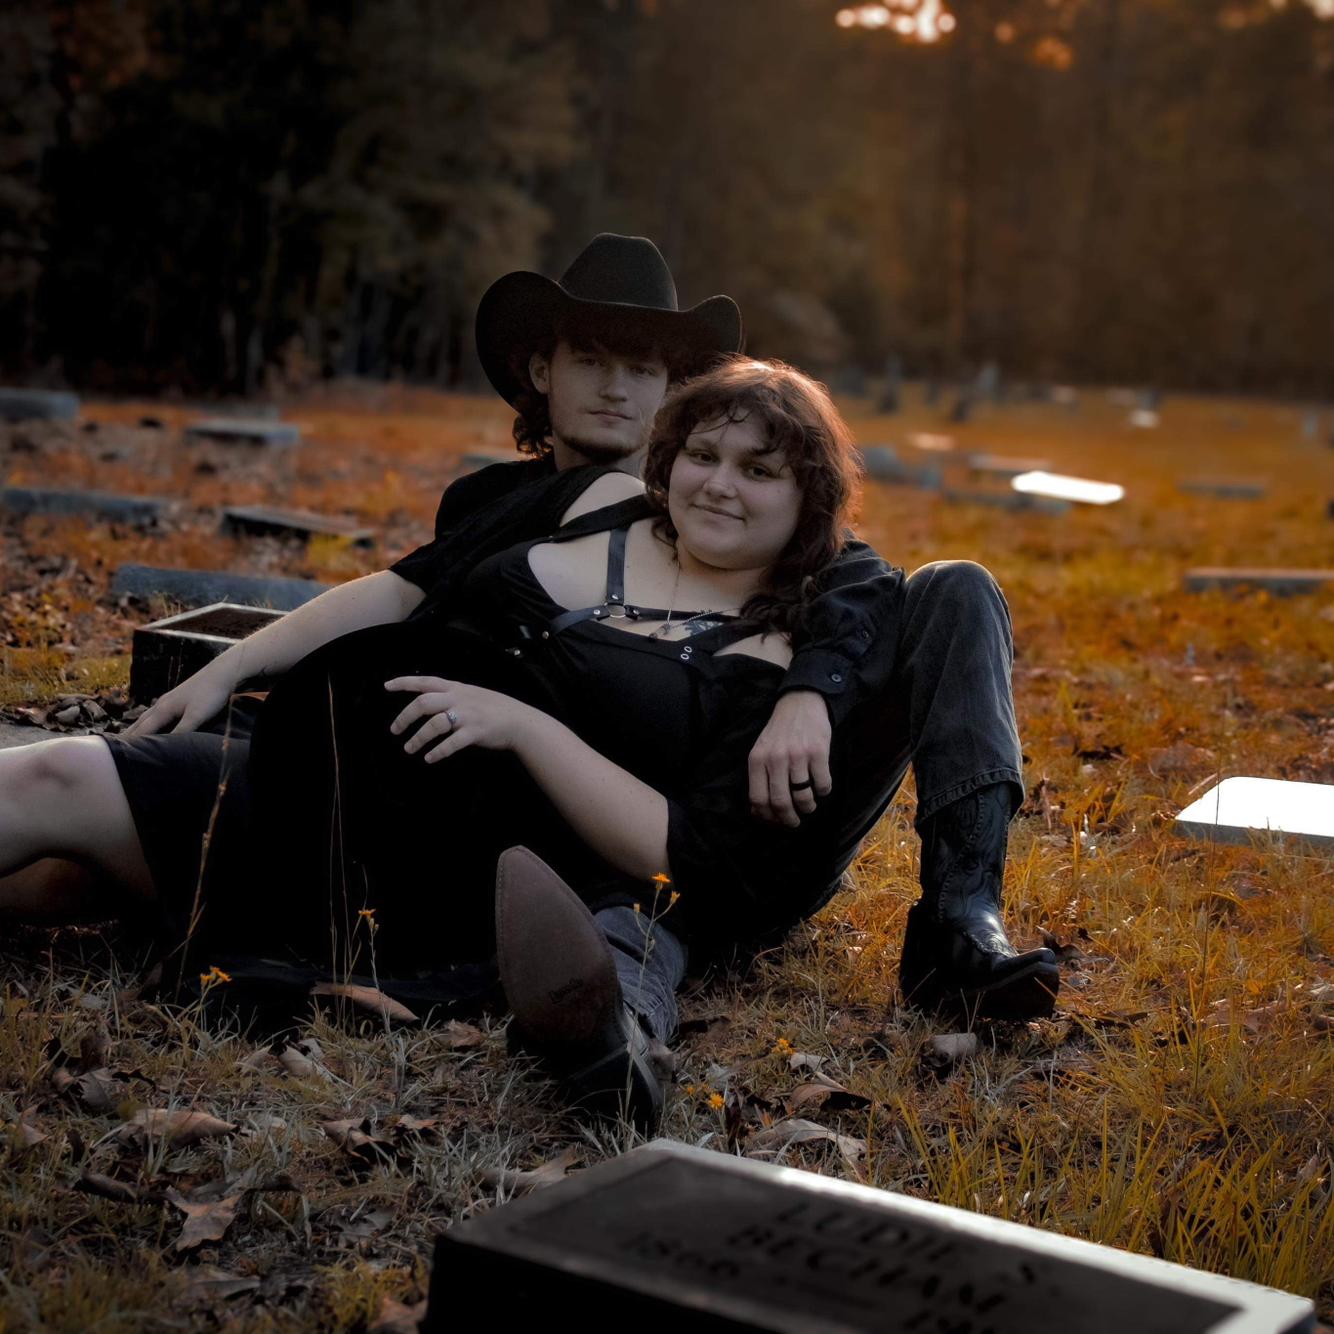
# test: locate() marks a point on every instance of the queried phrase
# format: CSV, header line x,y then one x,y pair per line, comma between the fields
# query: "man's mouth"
x,y
611,416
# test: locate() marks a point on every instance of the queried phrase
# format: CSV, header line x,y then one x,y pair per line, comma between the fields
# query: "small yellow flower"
x,y
782,1048
671,902
214,974
637,909
368,913
716,1101
691,1090
661,879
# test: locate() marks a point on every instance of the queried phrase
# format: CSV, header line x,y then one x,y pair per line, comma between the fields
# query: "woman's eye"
x,y
757,471
699,455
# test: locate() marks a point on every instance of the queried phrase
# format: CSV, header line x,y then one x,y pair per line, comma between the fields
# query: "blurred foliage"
x,y
229,197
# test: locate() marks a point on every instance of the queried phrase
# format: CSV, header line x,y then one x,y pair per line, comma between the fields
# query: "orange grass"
x,y
1181,1102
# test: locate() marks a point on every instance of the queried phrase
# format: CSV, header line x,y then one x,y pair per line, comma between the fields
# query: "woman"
x,y
592,695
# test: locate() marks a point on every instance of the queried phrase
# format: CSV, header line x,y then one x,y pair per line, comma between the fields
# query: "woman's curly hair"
x,y
798,419
631,338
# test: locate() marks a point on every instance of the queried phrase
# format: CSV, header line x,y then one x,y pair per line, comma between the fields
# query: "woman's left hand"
x,y
457,715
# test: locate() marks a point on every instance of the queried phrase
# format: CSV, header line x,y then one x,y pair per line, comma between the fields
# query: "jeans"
x,y
938,698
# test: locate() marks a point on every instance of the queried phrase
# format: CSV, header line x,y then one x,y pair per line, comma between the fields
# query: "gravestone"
x,y
270,521
1273,581
963,407
1144,419
165,652
998,465
244,431
96,504
1057,486
1224,488
1237,810
884,465
1007,500
670,1237
988,383
197,588
21,405
891,392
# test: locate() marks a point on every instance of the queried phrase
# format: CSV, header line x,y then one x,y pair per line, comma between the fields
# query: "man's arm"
x,y
831,671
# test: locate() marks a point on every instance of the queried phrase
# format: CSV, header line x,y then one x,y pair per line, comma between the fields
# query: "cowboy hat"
x,y
617,277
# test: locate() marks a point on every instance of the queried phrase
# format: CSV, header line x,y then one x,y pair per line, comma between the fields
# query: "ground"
x,y
1179,1103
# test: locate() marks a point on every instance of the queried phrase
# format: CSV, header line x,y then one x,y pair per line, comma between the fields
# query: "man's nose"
x,y
615,383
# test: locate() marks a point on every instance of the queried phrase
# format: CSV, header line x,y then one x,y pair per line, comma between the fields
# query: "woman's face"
x,y
733,501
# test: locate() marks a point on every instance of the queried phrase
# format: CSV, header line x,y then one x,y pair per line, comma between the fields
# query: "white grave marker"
x,y
1060,487
1238,809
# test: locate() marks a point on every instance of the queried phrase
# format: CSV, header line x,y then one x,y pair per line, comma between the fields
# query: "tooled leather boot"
x,y
957,958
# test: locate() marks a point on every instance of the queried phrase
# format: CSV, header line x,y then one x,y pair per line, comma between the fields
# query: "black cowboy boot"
x,y
956,955
560,981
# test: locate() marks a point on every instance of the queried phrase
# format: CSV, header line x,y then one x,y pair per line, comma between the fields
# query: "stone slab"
x,y
1224,488
1000,465
932,443
244,431
884,465
1238,810
1274,581
167,651
670,1237
19,405
198,588
15,734
1057,486
1008,500
99,504
270,521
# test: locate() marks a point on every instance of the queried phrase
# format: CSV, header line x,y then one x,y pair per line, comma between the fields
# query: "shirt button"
x,y
836,678
546,634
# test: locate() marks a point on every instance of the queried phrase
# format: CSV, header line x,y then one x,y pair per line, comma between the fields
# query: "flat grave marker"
x,y
22,405
98,504
1057,486
165,652
884,465
271,521
198,588
999,465
1224,488
1238,809
1007,500
244,431
938,444
1279,581
670,1237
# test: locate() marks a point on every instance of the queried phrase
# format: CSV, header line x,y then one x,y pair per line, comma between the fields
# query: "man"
x,y
910,670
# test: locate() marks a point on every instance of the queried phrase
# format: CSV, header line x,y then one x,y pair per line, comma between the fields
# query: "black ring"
x,y
798,787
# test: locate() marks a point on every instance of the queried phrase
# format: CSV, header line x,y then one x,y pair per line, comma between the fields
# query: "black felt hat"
x,y
622,277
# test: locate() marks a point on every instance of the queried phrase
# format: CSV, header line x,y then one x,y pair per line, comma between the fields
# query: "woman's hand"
x,y
458,715
183,709
789,764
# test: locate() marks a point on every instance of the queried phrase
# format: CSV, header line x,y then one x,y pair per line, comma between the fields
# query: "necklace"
x,y
666,627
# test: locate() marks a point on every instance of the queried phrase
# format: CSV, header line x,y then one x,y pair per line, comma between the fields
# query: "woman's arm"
x,y
620,817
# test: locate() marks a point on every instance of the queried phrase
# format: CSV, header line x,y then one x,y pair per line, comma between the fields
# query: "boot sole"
x,y
1027,994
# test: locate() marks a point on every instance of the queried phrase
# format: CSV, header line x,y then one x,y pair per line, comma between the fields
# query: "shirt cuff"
x,y
827,673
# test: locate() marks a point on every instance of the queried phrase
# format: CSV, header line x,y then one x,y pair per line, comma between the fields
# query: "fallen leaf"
x,y
204,1221
775,1141
25,1135
516,1182
1065,953
206,1284
353,1137
458,1036
108,1188
401,1126
827,1093
1179,758
95,1048
396,1318
946,1050
368,999
803,1060
97,1090
179,1127
297,1063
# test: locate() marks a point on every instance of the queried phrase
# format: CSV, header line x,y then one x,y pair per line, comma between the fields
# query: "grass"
x,y
1180,1103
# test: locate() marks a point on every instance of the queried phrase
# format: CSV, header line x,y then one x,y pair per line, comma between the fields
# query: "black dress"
x,y
323,816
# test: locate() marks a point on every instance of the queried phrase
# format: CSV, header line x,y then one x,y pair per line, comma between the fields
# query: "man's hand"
x,y
792,749
454,715
194,701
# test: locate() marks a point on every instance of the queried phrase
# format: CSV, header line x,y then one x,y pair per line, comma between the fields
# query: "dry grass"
x,y
1180,1102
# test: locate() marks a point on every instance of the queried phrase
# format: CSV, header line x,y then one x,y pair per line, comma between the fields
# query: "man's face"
x,y
602,404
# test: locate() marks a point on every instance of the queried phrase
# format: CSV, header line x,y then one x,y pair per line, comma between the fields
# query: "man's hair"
x,y
796,416
593,331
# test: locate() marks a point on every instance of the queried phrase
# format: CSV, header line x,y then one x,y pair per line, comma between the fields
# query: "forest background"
x,y
215,196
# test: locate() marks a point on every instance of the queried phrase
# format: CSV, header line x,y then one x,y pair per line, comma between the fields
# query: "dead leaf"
x,y
946,1050
98,1090
396,1318
803,1060
827,1093
179,1127
354,1138
368,999
204,1221
95,1048
515,1182
404,1125
458,1036
1065,953
1179,758
207,1284
25,1134
297,1063
108,1188
776,1140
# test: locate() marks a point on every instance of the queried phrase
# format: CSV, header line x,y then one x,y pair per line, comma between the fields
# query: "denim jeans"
x,y
938,698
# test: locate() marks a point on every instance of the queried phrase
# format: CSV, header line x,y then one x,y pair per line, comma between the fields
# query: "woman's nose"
x,y
721,479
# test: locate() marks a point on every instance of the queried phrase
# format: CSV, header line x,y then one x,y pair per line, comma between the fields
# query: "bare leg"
x,y
62,799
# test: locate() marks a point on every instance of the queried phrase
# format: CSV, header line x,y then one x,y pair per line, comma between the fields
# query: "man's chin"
x,y
603,454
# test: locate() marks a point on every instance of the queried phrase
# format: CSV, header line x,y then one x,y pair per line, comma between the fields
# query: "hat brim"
x,y
519,311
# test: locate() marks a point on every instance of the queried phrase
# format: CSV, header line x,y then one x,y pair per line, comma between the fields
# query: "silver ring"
x,y
453,717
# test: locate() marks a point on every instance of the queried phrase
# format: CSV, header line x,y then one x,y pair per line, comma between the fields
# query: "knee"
x,y
59,770
962,581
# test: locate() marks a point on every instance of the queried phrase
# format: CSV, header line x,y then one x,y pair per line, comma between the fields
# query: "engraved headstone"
x,y
1057,486
20,405
165,652
1237,810
1224,488
96,504
270,521
244,431
1272,581
197,588
670,1237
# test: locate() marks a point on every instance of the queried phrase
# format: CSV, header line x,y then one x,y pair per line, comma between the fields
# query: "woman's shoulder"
x,y
770,646
611,488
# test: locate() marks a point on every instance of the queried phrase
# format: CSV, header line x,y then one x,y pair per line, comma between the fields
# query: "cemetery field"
x,y
1180,1103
